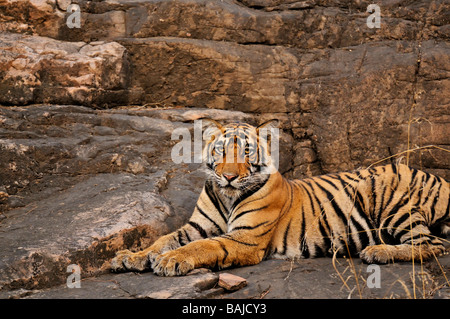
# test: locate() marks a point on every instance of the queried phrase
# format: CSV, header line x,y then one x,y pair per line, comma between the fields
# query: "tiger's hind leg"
x,y
415,241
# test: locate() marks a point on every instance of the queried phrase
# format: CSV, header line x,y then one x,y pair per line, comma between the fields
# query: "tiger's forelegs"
x,y
214,252
142,260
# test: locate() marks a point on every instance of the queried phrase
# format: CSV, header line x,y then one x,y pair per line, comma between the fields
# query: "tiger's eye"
x,y
218,149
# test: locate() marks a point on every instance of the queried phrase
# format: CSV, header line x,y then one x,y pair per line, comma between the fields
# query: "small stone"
x,y
231,282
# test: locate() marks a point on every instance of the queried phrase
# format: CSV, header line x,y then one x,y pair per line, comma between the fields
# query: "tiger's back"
x,y
345,213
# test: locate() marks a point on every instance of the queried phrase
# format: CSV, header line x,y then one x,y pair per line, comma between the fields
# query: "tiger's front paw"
x,y
377,254
127,260
172,263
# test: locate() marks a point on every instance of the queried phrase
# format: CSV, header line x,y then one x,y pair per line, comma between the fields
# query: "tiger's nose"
x,y
230,177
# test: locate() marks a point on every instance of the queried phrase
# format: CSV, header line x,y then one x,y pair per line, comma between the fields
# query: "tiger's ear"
x,y
268,124
211,129
266,130
206,123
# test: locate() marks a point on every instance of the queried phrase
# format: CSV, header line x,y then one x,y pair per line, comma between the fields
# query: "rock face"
x,y
39,70
349,95
87,114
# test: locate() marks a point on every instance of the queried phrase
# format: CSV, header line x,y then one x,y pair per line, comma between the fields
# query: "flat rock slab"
x,y
272,279
231,282
82,225
320,279
135,285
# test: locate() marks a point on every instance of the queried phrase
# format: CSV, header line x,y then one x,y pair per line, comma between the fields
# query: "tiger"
x,y
248,212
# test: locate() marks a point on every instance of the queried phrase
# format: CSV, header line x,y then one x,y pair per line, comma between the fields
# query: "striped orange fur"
x,y
244,215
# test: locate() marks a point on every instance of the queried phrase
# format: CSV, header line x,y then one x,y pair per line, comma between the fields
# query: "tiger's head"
x,y
239,156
